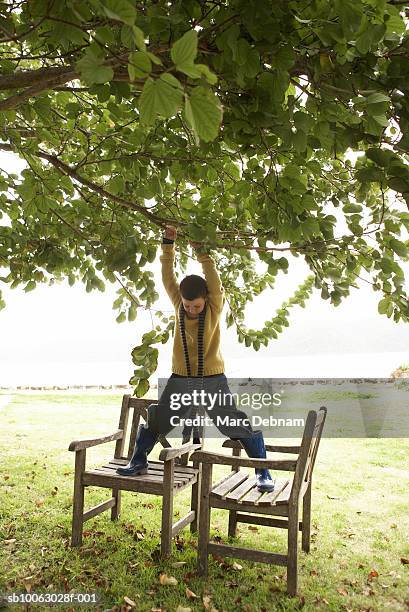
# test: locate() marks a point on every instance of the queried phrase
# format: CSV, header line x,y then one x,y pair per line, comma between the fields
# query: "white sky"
x,y
63,335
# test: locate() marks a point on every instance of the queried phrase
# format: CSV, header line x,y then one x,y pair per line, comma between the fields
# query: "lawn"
x,y
360,518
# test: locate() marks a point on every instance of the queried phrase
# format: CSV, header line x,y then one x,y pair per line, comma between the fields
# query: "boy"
x,y
197,358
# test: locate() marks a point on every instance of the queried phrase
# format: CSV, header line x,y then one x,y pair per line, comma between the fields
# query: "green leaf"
x,y
92,69
139,66
204,113
398,247
190,69
383,305
120,10
162,96
131,35
184,50
142,388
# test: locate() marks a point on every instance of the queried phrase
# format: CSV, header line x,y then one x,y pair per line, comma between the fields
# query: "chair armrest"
x,y
269,447
276,448
81,444
173,453
280,464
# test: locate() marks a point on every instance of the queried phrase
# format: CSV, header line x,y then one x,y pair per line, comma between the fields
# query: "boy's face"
x,y
193,307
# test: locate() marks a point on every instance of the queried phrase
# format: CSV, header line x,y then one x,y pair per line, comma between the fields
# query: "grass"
x,y
360,524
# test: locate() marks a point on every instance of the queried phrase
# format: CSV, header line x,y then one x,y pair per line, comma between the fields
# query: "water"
x,y
328,365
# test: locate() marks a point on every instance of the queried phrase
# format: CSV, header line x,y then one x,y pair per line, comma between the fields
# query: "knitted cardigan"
x,y
213,360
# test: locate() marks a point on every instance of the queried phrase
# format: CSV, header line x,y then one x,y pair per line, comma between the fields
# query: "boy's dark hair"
x,y
192,287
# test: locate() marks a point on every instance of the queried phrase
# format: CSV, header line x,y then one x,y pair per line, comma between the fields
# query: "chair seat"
x,y
241,488
152,482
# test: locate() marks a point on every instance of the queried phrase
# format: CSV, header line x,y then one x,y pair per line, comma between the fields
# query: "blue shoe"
x,y
255,448
144,443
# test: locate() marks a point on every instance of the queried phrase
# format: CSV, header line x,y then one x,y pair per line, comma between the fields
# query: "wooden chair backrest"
x,y
139,409
308,452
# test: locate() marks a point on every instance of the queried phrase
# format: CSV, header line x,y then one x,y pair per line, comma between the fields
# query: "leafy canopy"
x,y
260,128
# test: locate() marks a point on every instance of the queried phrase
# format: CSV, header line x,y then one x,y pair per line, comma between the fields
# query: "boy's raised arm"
x,y
214,284
167,259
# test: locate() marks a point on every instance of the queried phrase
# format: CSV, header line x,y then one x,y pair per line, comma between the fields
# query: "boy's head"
x,y
193,291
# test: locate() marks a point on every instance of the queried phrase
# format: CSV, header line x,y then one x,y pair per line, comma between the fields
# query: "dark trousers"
x,y
235,426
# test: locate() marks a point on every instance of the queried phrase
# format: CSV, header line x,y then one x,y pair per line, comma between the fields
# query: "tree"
x,y
259,128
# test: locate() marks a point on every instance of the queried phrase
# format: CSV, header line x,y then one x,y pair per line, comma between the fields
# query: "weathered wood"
x,y
267,521
195,500
306,519
83,444
123,424
238,494
249,554
167,508
155,481
278,493
136,417
215,458
155,465
180,478
292,541
172,453
235,444
284,495
185,520
252,497
78,498
116,510
109,503
234,505
204,519
242,489
232,526
235,478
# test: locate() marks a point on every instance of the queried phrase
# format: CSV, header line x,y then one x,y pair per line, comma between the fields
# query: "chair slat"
x,y
242,489
182,469
228,485
270,498
284,495
251,497
111,470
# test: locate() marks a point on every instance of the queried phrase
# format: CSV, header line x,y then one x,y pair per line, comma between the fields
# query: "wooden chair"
x,y
165,477
238,494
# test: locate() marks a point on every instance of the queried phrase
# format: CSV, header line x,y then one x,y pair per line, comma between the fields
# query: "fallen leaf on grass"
x,y
207,602
237,566
190,594
373,574
404,561
343,592
40,502
167,580
129,601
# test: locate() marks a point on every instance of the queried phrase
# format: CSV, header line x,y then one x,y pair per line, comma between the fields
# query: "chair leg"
x,y
306,520
167,509
232,523
78,499
194,503
116,510
204,519
292,568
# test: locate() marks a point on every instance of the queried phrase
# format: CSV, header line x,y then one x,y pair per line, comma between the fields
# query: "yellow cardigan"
x,y
213,360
